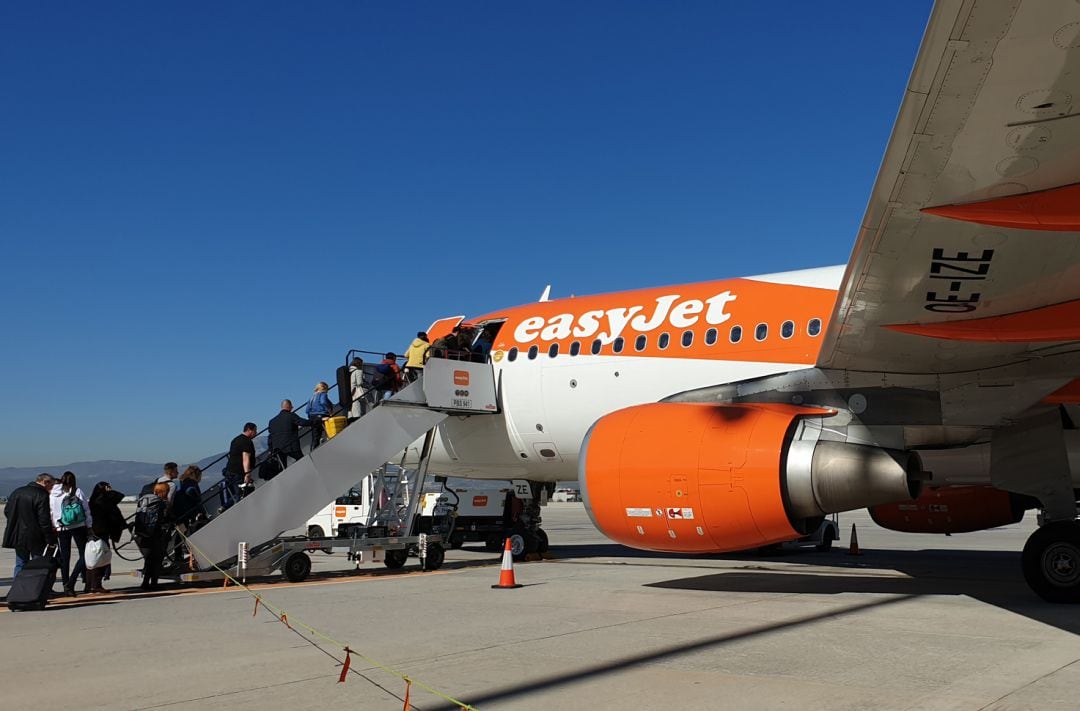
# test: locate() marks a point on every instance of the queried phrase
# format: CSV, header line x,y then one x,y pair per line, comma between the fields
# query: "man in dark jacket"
x,y
285,432
29,526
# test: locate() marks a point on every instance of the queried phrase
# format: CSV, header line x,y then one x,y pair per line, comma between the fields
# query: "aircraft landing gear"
x,y
1051,562
522,543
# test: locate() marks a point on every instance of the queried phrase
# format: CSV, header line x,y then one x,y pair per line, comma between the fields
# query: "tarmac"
x,y
916,622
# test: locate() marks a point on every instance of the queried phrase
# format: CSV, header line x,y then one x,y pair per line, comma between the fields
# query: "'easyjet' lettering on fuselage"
x,y
683,314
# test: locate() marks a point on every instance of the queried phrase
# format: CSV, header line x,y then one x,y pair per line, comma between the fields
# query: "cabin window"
x,y
575,348
761,332
533,350
736,334
617,346
710,337
553,350
512,355
814,327
662,342
687,338
640,342
596,346
787,329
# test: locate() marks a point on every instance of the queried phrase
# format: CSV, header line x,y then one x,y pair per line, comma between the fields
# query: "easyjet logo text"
x,y
461,377
610,324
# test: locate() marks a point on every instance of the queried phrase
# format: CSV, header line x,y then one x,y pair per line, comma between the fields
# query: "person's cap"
x,y
391,356
421,334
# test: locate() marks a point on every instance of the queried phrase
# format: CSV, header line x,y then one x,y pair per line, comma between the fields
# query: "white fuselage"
x,y
549,402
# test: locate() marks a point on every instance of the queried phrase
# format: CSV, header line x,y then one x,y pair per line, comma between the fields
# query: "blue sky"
x,y
204,206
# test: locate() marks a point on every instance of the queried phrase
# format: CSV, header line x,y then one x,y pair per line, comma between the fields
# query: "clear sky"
x,y
203,206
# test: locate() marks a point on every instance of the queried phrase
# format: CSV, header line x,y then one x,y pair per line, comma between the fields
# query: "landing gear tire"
x,y
434,558
522,543
1051,562
297,567
457,539
396,558
827,537
541,541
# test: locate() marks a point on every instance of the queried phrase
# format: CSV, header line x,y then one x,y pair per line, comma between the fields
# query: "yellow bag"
x,y
334,425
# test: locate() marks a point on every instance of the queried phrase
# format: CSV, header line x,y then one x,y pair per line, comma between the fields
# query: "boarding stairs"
x,y
446,387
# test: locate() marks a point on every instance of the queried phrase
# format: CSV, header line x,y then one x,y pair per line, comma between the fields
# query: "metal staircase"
x,y
447,387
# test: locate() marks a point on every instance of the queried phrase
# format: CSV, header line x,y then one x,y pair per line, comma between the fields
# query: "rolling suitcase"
x,y
31,587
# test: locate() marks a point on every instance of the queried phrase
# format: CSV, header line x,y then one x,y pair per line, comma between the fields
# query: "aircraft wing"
x,y
968,256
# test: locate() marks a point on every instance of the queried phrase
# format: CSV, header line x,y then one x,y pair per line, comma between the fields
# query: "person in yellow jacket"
x,y
415,355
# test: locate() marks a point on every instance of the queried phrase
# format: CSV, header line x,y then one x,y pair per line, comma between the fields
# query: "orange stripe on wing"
x,y
1069,394
1060,322
1057,209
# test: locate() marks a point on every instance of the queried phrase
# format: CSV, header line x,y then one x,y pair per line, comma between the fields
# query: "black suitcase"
x,y
31,587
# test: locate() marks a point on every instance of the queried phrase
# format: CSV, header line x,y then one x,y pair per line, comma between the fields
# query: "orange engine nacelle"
x,y
712,478
952,509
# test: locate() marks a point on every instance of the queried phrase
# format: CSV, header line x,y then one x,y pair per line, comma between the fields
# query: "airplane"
x,y
932,379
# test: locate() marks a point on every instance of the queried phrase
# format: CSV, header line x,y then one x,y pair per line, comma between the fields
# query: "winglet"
x,y
546,296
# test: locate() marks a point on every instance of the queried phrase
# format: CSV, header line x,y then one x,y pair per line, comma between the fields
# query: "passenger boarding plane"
x,y
933,379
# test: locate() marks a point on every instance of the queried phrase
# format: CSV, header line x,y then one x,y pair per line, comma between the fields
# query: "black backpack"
x,y
271,466
148,521
344,387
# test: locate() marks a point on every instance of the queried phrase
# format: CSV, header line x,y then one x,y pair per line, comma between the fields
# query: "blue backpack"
x,y
71,511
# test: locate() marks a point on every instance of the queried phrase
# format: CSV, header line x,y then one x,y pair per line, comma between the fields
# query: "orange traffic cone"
x,y
853,548
506,575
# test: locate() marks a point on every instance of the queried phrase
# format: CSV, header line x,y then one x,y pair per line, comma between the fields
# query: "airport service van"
x,y
466,515
459,514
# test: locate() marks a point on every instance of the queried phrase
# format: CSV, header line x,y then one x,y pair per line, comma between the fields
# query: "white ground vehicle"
x,y
457,513
566,494
475,515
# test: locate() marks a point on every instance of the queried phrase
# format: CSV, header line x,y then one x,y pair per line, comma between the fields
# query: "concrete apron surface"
x,y
916,622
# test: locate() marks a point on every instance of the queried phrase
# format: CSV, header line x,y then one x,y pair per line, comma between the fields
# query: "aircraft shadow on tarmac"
x,y
989,576
992,577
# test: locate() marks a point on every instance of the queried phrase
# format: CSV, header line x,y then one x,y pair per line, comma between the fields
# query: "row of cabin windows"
x,y
761,332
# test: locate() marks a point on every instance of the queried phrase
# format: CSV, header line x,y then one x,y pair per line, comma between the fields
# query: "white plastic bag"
x,y
98,553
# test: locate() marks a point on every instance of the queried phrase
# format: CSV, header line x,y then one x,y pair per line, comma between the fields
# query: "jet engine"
x,y
712,478
953,509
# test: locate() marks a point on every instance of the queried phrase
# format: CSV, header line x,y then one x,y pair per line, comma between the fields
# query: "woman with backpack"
x,y
151,532
71,518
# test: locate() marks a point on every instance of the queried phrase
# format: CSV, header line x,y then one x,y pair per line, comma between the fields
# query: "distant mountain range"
x,y
124,476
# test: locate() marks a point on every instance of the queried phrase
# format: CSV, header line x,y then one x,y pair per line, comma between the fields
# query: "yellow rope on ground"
x,y
347,648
